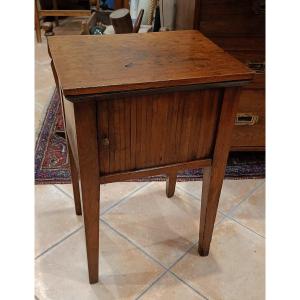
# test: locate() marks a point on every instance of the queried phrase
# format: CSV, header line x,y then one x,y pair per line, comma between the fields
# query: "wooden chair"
x,y
94,4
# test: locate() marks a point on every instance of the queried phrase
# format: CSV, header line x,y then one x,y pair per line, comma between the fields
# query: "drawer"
x,y
249,130
217,8
242,44
233,26
255,60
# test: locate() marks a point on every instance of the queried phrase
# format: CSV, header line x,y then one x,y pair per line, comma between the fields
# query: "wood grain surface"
x,y
93,64
140,132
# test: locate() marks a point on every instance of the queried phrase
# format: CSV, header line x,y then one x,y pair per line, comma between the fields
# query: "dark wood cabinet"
x,y
238,26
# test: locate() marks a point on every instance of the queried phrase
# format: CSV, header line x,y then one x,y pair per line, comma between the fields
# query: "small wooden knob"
x,y
105,141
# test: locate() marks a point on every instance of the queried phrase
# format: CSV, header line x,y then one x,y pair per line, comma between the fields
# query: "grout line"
x,y
187,284
167,269
181,256
40,106
199,200
59,242
113,205
76,230
232,219
234,208
193,244
64,192
189,193
125,198
151,284
134,244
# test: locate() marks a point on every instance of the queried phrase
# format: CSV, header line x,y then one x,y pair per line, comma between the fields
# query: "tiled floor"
x,y
148,242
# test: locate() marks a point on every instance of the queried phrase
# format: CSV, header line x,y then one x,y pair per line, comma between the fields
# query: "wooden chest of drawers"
x,y
238,26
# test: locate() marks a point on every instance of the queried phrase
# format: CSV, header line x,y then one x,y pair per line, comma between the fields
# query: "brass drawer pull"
x,y
246,119
258,67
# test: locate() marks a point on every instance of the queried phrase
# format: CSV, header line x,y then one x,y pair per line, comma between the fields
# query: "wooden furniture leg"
x,y
55,6
213,175
171,184
86,131
37,23
75,180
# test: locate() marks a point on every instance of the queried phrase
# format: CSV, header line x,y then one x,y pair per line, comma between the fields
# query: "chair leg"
x,y
75,181
55,6
37,24
171,184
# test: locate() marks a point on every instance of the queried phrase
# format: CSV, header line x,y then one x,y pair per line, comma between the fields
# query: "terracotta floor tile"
x,y
110,193
251,212
164,227
38,118
54,217
124,271
169,287
43,77
234,268
233,191
43,96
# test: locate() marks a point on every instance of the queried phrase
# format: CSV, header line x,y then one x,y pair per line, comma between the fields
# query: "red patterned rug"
x,y
52,163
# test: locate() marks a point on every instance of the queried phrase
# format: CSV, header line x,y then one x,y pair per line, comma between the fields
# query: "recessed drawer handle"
x,y
246,119
258,67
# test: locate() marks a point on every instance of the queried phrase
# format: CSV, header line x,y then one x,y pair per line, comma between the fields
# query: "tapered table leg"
x,y
86,130
213,175
170,185
75,181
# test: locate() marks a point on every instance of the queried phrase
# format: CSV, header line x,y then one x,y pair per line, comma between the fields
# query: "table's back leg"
x,y
75,181
213,175
171,184
86,131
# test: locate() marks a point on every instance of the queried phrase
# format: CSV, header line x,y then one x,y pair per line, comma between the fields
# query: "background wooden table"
x,y
146,104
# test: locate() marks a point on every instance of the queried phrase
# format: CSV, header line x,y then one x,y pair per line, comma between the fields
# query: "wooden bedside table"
x,y
145,104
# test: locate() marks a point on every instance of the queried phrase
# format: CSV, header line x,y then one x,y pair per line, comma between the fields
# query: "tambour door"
x,y
140,131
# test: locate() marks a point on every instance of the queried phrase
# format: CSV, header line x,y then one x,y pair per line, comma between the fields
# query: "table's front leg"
x,y
86,131
213,176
